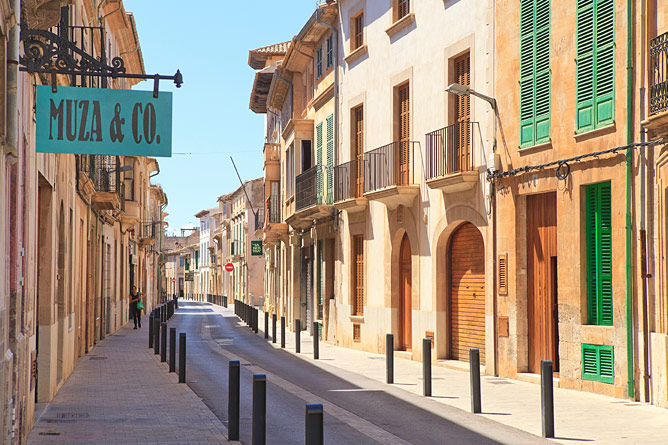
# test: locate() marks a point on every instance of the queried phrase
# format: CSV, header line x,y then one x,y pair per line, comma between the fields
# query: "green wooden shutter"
x,y
330,51
605,62
535,73
318,61
599,254
318,157
595,64
330,159
598,363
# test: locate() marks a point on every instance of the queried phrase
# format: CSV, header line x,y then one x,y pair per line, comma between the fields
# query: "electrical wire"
x,y
563,165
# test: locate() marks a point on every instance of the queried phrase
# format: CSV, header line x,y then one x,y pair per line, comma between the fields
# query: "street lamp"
x,y
462,90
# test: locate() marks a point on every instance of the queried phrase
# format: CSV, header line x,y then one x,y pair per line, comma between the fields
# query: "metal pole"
x,y
298,328
547,397
389,358
182,357
172,349
266,325
150,330
474,362
259,409
163,342
273,328
156,335
426,366
233,399
282,331
315,434
316,341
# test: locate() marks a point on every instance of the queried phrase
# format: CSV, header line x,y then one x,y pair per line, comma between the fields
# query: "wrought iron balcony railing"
x,y
274,208
259,219
106,174
658,79
389,166
349,180
306,187
147,229
450,149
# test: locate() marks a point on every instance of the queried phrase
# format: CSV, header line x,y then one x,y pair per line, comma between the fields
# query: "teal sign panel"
x,y
256,248
102,121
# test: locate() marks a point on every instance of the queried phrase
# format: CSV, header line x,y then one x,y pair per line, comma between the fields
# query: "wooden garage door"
x,y
467,293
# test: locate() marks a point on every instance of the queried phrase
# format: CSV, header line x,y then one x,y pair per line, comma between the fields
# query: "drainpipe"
x,y
336,82
629,177
11,139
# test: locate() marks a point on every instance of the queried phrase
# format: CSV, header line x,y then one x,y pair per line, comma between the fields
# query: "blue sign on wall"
x,y
104,122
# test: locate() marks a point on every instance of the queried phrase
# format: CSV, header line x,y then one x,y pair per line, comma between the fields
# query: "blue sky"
x,y
209,43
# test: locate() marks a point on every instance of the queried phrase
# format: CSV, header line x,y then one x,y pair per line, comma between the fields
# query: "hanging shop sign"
x,y
190,276
102,121
256,248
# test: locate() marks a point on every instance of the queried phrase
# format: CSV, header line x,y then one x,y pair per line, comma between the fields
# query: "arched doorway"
x,y
60,297
466,257
406,292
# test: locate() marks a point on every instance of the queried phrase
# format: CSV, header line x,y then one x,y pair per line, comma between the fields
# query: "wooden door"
x,y
358,154
467,292
358,275
404,135
462,152
406,295
542,279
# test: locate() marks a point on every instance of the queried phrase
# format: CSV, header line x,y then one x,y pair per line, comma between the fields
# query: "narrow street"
x,y
357,409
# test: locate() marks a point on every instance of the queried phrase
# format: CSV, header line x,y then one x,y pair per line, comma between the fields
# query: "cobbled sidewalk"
x,y
120,393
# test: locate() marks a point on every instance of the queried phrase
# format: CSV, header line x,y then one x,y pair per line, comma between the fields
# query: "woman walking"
x,y
136,306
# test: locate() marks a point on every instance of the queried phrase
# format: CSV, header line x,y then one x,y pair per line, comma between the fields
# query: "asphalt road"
x,y
358,410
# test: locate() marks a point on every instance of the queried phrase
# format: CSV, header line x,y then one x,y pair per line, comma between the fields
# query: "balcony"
x,y
657,123
106,176
312,200
389,174
147,232
275,227
349,186
449,157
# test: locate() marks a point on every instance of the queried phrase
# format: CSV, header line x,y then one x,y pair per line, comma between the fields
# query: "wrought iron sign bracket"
x,y
49,53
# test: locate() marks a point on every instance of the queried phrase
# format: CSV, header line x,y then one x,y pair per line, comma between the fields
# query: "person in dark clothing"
x,y
135,314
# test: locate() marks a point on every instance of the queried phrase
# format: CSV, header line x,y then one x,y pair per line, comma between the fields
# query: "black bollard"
x,y
283,332
426,367
547,397
256,319
316,341
259,409
474,363
315,434
233,399
156,335
389,358
172,349
182,357
150,331
298,330
266,325
163,342
273,328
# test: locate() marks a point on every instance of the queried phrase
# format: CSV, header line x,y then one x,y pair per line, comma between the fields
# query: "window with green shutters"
x,y
330,51
595,64
534,72
599,254
598,363
318,158
330,159
318,62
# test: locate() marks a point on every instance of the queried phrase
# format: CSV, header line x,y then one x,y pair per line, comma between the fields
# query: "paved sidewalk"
x,y
579,416
120,393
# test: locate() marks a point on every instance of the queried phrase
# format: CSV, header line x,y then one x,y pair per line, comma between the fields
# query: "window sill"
x,y
356,54
537,147
357,318
611,128
400,24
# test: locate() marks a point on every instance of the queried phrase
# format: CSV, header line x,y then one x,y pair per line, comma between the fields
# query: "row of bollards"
x,y
314,431
220,300
157,338
547,391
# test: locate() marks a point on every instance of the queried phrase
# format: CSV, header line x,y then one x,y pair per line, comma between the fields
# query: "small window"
x,y
403,7
357,31
598,363
318,63
330,51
